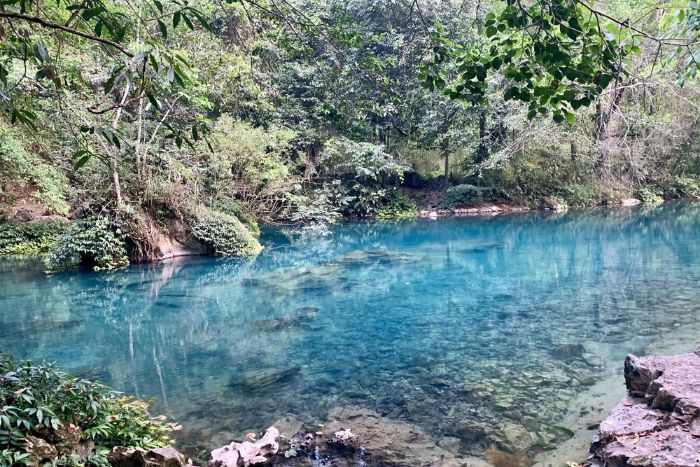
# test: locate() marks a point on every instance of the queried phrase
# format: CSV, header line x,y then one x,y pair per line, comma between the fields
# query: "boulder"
x,y
164,457
517,437
630,202
40,451
553,204
122,456
658,423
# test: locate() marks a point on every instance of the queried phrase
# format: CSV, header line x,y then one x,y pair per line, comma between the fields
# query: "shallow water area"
x,y
479,331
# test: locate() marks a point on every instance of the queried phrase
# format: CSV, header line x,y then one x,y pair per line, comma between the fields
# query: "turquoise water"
x,y
459,326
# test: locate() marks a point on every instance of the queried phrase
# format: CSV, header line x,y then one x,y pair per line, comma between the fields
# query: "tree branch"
x,y
69,30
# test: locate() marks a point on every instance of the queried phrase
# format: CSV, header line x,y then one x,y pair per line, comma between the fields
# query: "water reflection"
x,y
464,327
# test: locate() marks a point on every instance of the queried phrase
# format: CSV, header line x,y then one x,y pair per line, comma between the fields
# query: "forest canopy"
x,y
133,114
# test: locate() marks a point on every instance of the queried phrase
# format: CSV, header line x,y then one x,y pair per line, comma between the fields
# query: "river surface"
x,y
483,330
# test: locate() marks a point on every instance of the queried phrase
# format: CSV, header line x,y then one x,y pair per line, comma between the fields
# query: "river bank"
x,y
590,407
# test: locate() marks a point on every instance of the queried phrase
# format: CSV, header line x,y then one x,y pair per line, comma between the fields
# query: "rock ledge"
x,y
658,423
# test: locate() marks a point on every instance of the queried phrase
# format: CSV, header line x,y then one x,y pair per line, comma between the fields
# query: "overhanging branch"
x,y
69,30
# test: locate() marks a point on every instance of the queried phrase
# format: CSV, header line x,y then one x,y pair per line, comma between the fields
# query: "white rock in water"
x,y
247,453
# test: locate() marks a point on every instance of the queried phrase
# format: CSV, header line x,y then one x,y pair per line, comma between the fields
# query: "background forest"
x,y
139,117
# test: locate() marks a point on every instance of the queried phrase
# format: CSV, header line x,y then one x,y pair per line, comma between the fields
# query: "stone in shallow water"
x,y
392,442
288,426
517,437
258,379
451,444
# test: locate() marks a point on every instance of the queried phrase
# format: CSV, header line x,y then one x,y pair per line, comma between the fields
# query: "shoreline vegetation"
x,y
104,244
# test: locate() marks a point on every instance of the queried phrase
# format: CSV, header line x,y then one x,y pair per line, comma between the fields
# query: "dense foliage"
x,y
310,111
42,402
18,239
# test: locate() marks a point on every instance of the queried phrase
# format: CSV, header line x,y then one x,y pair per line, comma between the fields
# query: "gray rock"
x,y
122,456
451,444
517,437
658,423
164,457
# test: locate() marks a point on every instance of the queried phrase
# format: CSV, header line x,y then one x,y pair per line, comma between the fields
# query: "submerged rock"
x,y
257,379
658,423
299,318
392,442
517,437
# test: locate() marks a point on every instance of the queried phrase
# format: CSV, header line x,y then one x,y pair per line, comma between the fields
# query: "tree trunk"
x,y
113,159
482,152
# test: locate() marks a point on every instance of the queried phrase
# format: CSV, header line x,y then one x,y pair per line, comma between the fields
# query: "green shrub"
x,y
23,167
41,401
650,196
97,241
223,233
688,187
235,208
397,206
29,239
581,196
466,194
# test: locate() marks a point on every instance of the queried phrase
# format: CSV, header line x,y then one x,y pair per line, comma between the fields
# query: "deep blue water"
x,y
499,320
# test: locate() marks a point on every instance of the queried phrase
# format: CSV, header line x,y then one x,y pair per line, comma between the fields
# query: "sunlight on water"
x,y
463,327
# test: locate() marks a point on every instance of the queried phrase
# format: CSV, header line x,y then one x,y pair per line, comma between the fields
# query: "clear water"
x,y
437,323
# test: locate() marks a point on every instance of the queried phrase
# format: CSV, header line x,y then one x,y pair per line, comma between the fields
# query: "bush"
x,y
251,164
466,194
321,206
43,402
397,206
687,187
650,196
23,167
98,241
223,233
581,196
235,209
29,239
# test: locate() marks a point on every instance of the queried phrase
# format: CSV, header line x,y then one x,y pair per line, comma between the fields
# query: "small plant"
x,y
97,240
223,233
29,239
42,402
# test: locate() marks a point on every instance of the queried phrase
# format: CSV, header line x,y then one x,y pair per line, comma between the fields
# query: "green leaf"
x,y
77,165
3,75
163,29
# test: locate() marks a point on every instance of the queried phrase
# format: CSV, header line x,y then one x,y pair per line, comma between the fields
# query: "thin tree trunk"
x,y
113,160
482,151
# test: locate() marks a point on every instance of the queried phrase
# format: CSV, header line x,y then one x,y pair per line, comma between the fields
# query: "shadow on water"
x,y
480,330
